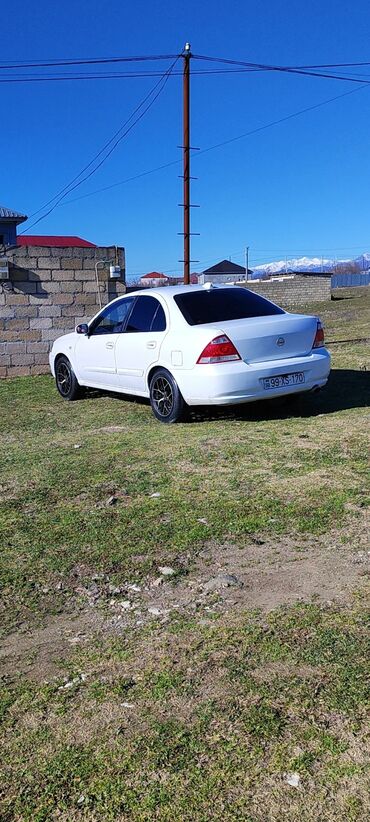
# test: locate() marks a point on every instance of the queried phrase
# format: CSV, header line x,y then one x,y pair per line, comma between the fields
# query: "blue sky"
x,y
297,188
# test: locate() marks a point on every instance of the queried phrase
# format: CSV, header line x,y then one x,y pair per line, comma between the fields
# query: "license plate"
x,y
283,380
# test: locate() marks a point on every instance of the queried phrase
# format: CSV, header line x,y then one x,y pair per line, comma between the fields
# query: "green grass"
x,y
199,716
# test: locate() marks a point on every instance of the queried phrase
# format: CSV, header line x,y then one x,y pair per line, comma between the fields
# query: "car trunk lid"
x,y
277,337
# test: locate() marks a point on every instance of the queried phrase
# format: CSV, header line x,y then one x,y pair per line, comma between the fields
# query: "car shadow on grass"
x,y
346,389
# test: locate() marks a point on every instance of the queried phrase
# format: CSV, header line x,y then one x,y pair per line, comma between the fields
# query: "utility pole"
x,y
186,147
246,253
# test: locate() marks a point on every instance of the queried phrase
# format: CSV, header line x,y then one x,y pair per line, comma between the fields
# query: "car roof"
x,y
174,290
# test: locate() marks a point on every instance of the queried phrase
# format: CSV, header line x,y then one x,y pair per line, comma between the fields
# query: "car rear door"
x,y
138,347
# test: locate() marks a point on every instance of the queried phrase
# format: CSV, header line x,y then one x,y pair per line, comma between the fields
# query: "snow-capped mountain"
x,y
314,264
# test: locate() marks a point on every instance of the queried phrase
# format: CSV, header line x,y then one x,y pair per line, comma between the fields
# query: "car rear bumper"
x,y
237,382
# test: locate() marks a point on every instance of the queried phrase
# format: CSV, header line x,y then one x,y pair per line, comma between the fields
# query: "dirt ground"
x,y
263,574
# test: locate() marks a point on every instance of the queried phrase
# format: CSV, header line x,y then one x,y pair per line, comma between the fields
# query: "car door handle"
x,y
151,344
109,345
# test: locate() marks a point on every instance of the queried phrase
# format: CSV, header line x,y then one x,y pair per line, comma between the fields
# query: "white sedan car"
x,y
192,345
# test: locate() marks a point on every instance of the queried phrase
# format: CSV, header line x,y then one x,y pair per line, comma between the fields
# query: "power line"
x,y
219,145
52,62
284,69
90,61
70,187
27,78
282,119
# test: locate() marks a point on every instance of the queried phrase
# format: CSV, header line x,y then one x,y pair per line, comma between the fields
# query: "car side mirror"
x,y
82,328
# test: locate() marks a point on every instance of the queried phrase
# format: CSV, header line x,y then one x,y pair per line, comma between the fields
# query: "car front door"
x,y
138,347
95,351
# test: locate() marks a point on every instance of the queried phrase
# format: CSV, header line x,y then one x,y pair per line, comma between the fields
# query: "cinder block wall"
x,y
294,291
49,292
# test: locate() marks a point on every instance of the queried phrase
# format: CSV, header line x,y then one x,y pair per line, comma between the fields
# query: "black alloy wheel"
x,y
66,380
165,398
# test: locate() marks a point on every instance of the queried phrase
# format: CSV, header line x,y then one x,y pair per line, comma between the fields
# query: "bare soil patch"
x,y
263,574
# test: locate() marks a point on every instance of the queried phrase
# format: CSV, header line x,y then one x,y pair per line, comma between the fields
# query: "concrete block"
x,y
26,311
26,287
38,251
22,359
49,311
71,262
40,299
5,360
42,275
36,370
64,299
91,286
87,299
70,310
53,287
50,334
64,324
69,251
21,324
42,359
64,274
19,371
85,273
72,287
41,322
16,347
21,274
3,372
16,298
7,312
35,347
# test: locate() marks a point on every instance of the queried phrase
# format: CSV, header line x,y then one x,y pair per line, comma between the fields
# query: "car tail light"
x,y
220,349
319,336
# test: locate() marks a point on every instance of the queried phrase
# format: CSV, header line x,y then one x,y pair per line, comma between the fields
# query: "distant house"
x,y
52,241
223,272
154,279
9,220
180,280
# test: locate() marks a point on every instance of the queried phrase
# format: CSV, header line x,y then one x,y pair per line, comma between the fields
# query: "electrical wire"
x,y
283,69
156,91
90,61
51,78
219,145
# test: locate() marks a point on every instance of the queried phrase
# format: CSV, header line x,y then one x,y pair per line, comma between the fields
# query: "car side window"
x,y
112,317
147,315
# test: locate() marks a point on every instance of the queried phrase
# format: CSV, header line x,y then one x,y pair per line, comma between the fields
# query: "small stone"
x,y
77,446
293,779
127,705
81,799
222,581
166,571
135,588
154,611
156,494
112,500
125,605
157,582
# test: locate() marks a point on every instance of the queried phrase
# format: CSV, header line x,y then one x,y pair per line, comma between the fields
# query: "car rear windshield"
x,y
221,304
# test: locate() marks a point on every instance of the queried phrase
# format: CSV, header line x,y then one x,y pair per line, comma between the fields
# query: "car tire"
x,y
66,380
167,403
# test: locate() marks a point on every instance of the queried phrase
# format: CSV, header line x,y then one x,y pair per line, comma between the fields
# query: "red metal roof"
x,y
55,242
154,275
